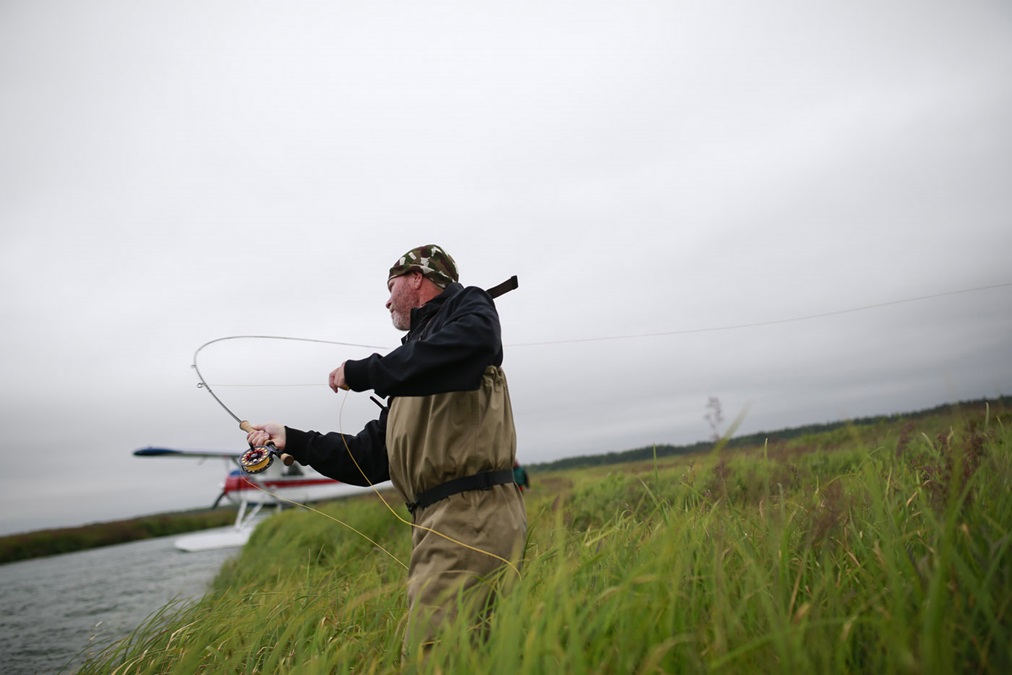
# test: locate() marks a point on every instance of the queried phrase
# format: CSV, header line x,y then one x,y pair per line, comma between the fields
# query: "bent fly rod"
x,y
257,459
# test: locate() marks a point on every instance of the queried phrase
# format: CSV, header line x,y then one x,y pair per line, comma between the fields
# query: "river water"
x,y
55,609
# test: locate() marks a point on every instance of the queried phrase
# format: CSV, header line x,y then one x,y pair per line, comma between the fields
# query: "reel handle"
x,y
285,457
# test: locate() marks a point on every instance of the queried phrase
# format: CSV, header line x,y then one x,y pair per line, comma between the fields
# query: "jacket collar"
x,y
420,316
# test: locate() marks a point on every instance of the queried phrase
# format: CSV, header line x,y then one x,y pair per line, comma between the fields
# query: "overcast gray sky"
x,y
176,172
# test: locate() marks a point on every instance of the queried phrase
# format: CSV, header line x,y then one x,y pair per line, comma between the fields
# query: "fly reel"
x,y
256,460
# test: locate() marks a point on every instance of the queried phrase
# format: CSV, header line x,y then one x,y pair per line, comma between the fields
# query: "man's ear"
x,y
416,279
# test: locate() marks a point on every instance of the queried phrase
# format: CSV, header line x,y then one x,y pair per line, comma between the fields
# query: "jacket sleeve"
x,y
356,460
452,358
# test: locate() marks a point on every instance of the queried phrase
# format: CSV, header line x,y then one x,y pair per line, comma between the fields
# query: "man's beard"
x,y
400,321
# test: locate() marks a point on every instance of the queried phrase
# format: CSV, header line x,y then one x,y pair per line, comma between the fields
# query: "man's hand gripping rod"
x,y
259,458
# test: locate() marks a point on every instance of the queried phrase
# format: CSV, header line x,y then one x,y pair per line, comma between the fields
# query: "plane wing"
x,y
168,452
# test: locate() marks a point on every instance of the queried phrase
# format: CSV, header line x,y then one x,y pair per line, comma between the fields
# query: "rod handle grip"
x,y
285,457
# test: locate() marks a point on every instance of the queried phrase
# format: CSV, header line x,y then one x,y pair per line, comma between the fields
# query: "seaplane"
x,y
277,485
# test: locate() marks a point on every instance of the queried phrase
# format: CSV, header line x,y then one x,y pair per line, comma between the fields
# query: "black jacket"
x,y
453,338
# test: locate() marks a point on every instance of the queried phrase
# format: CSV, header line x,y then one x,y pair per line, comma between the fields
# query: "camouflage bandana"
x,y
433,262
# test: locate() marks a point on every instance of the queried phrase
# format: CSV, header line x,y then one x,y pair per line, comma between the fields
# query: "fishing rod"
x,y
257,459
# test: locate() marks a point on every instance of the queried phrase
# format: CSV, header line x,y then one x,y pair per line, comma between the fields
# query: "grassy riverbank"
x,y
883,548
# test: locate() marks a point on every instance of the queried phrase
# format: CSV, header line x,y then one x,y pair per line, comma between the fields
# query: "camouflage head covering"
x,y
433,262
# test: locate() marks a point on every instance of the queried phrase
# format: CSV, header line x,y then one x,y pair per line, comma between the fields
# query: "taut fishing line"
x,y
770,322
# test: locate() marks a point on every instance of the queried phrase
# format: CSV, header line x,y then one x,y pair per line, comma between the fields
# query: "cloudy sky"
x,y
693,196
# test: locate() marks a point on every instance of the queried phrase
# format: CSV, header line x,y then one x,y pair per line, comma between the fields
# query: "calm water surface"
x,y
53,610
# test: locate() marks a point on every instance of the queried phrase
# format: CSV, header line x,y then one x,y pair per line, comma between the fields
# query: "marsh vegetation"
x,y
874,549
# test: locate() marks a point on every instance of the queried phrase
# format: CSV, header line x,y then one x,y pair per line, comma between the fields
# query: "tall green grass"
x,y
888,556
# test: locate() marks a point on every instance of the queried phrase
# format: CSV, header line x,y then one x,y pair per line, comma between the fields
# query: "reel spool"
x,y
256,460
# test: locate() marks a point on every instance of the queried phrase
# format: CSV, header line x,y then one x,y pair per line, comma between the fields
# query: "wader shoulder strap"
x,y
505,287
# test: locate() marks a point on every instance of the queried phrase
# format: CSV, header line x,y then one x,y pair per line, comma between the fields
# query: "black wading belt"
x,y
479,481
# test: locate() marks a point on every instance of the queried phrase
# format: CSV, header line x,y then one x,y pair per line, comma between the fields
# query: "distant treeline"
x,y
68,539
1000,403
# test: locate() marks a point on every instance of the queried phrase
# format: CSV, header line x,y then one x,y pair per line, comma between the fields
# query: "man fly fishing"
x,y
446,440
